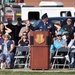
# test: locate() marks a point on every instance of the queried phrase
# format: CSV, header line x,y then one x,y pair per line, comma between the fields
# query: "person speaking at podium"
x,y
42,25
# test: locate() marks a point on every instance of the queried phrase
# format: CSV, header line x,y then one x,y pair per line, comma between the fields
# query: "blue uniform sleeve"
x,y
33,28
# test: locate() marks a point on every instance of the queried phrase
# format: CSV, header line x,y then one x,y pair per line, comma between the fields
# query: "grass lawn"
x,y
35,73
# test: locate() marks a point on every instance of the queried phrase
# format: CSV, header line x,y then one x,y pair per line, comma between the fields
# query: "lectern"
x,y
39,50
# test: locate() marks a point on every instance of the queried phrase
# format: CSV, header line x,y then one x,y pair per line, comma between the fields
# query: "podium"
x,y
39,51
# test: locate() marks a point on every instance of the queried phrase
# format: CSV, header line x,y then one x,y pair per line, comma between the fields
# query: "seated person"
x,y
24,40
72,46
59,43
58,28
24,29
7,54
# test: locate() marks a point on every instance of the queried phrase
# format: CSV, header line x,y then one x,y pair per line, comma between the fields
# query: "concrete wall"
x,y
68,3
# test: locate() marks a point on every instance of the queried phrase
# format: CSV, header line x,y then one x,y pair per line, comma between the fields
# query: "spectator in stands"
x,y
25,29
58,28
24,40
17,30
4,29
11,26
59,42
7,55
69,27
72,53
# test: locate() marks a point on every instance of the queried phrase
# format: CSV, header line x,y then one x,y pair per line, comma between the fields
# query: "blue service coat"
x,y
41,26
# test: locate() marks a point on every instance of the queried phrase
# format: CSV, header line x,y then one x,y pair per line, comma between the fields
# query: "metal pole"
x,y
3,3
3,10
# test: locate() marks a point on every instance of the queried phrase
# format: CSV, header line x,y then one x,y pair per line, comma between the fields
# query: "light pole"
x,y
2,10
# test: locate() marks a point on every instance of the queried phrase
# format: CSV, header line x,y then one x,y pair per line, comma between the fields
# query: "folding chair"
x,y
19,56
60,56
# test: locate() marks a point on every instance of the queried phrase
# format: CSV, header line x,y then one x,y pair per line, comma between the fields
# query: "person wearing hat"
x,y
7,54
59,42
43,24
61,45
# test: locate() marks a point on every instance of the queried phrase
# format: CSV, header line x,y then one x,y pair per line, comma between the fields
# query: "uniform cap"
x,y
44,16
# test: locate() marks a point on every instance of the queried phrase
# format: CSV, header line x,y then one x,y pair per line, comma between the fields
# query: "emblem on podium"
x,y
39,38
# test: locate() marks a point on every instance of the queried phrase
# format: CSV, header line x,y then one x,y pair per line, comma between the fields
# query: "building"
x,y
67,3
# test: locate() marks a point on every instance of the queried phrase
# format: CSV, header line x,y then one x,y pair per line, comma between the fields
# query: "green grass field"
x,y
35,73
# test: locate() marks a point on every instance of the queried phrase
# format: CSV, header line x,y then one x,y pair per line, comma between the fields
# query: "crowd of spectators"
x,y
19,35
9,39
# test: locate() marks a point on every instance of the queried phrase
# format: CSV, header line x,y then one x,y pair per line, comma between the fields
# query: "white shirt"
x,y
5,48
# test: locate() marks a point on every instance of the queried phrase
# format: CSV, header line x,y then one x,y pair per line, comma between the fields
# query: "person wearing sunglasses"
x,y
69,27
24,40
60,42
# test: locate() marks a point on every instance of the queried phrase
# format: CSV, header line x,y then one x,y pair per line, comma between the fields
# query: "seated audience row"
x,y
58,42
